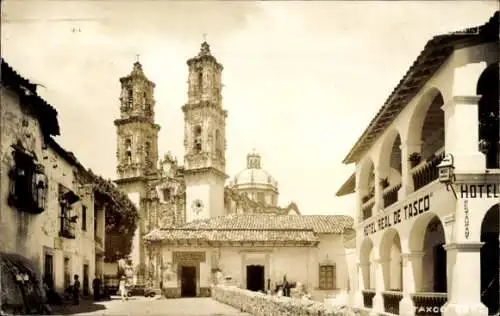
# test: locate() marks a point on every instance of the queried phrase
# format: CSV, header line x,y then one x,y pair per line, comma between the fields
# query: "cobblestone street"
x,y
151,306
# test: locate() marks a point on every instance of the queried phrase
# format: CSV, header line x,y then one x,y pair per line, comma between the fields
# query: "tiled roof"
x,y
238,235
46,114
434,54
256,227
334,224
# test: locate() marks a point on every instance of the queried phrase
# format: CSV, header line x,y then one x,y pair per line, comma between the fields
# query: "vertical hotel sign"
x,y
476,191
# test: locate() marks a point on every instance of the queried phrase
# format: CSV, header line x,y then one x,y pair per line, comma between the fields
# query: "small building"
x,y
426,247
255,250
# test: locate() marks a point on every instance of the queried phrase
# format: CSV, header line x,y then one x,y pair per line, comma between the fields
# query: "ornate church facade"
x,y
167,193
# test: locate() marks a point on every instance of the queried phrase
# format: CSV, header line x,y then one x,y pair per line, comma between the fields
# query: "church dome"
x,y
254,176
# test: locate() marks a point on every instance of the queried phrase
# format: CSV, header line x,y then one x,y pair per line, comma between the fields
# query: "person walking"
x,y
123,288
76,290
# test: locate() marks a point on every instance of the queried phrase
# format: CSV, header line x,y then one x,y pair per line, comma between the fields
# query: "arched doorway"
x,y
427,236
490,260
390,253
488,111
366,255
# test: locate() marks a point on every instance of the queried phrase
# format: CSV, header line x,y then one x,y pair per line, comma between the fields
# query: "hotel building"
x,y
425,247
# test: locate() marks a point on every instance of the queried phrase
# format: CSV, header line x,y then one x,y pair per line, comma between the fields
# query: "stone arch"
x,y
366,170
426,124
390,254
390,166
365,256
489,259
366,187
488,112
390,151
427,237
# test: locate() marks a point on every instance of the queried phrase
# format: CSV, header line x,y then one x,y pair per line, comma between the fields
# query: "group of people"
x,y
73,292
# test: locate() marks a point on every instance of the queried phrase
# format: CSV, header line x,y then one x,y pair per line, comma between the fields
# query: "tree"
x,y
121,218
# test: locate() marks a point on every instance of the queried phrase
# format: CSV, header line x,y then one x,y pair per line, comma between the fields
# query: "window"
x,y
200,80
66,199
84,218
28,183
130,97
147,154
260,197
128,151
197,139
218,144
327,277
166,194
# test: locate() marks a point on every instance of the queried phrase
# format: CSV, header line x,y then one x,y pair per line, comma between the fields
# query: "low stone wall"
x,y
175,292
259,304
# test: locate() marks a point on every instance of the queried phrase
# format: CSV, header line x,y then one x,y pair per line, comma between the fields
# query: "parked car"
x,y
136,290
140,290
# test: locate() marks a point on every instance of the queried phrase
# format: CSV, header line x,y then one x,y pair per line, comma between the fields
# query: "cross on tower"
x,y
204,37
137,57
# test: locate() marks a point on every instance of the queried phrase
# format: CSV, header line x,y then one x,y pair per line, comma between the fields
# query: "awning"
x,y
68,195
348,187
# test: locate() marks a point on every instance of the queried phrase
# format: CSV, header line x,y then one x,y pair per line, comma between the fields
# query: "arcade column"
x,y
464,296
378,299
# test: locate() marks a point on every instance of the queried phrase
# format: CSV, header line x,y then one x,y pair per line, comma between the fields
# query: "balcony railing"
x,y
429,304
427,171
391,195
391,301
366,209
368,298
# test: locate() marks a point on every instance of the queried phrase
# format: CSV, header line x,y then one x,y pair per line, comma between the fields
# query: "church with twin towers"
x,y
169,193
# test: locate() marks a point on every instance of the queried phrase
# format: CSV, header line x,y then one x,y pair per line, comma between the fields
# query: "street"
x,y
151,306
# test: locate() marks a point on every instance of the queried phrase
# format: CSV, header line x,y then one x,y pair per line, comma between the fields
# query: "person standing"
x,y
96,288
76,290
123,289
286,287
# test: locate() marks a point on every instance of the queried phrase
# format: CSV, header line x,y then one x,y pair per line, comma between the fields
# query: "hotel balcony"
x,y
422,174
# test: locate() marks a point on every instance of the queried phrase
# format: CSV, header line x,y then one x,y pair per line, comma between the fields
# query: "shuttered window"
x,y
327,277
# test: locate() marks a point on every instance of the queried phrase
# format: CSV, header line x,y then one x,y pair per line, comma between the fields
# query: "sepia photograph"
x,y
249,158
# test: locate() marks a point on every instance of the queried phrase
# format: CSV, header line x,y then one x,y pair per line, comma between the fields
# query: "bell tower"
x,y
204,138
137,133
137,147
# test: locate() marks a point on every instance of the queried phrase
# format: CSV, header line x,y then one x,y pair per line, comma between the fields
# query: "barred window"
x,y
327,277
68,220
28,186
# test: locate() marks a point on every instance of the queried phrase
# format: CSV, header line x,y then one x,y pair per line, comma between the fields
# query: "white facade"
x,y
419,246
300,263
38,236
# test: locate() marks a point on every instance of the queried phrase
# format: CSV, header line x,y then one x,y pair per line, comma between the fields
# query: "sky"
x,y
302,80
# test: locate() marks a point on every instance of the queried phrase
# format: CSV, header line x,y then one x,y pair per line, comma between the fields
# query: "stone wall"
x,y
261,304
